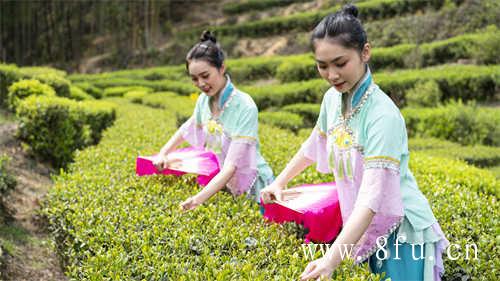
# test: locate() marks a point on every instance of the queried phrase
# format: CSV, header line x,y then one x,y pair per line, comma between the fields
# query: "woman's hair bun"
x,y
350,9
207,36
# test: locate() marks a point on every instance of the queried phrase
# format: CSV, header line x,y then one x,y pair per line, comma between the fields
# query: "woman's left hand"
x,y
318,269
190,204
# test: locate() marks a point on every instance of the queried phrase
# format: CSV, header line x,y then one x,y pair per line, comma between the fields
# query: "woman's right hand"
x,y
272,192
164,162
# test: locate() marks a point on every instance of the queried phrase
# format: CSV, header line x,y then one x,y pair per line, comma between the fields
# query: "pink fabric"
x,y
440,248
193,160
314,148
242,153
318,211
380,191
193,133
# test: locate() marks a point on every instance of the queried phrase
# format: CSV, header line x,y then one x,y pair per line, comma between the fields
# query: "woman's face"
x,y
341,67
206,77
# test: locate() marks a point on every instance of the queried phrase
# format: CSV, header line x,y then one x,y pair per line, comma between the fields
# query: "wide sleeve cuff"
x,y
242,153
380,191
193,133
314,148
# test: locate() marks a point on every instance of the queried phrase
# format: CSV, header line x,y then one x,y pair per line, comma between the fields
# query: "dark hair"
x,y
343,27
207,49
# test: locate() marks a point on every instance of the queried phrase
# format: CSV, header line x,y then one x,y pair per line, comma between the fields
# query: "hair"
x,y
343,27
207,49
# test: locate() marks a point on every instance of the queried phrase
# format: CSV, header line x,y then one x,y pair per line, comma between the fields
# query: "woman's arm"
x,y
161,162
215,185
298,163
354,228
172,143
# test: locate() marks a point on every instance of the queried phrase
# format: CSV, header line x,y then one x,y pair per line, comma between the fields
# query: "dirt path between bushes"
x,y
27,251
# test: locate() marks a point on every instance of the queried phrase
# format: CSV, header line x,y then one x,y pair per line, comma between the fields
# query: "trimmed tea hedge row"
x,y
305,21
465,124
282,119
150,74
466,82
77,93
256,5
480,47
55,127
310,91
477,155
122,90
10,73
25,88
181,87
110,224
90,89
456,122
309,111
181,105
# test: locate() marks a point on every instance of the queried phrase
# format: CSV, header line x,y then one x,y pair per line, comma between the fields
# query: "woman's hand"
x,y
190,204
318,269
162,163
272,192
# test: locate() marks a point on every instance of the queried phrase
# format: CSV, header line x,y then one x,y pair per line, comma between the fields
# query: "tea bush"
x,y
282,119
465,124
25,88
55,127
110,224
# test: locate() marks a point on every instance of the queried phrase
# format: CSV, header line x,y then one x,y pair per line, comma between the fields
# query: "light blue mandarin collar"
x,y
362,87
226,92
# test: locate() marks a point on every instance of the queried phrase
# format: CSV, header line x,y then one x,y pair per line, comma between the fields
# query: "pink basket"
x,y
315,206
191,160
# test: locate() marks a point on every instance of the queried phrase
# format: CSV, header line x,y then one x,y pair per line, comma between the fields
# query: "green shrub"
x,y
57,82
183,88
308,111
53,127
425,94
466,82
465,124
122,90
25,88
256,5
7,181
279,95
181,105
135,96
282,119
99,115
477,155
243,70
110,224
297,68
305,21
77,93
479,46
89,89
9,74
495,171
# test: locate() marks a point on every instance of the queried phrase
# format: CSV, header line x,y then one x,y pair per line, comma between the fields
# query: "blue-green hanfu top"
x,y
367,150
233,137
